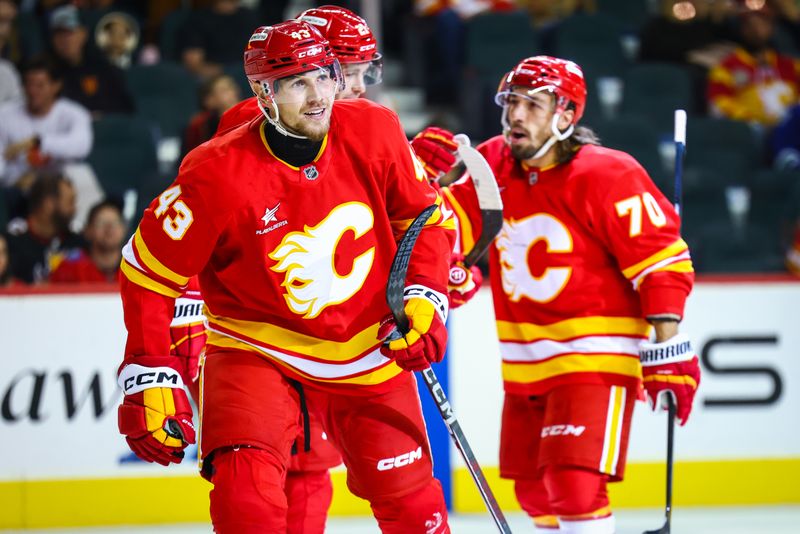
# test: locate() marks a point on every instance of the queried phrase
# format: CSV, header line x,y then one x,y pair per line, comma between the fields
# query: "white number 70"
x,y
633,206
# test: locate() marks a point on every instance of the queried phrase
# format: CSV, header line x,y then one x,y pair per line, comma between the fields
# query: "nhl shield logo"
x,y
310,172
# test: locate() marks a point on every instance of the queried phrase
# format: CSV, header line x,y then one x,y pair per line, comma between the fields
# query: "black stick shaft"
x,y
453,426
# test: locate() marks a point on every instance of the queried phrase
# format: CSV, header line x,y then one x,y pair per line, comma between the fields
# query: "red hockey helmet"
x,y
561,77
350,37
286,49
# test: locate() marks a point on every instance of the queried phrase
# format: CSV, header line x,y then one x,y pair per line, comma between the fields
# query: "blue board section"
x,y
437,431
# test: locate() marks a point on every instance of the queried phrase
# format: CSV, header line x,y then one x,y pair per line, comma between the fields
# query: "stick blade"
x,y
397,275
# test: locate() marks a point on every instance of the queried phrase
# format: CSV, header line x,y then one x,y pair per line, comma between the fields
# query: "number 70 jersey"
x,y
587,250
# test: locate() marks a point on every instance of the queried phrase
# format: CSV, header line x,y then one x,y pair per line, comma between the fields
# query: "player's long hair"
x,y
566,149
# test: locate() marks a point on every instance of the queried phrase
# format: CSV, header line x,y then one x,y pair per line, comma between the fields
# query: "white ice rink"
x,y
750,520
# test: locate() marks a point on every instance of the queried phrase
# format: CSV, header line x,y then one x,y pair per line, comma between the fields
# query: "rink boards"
x,y
62,462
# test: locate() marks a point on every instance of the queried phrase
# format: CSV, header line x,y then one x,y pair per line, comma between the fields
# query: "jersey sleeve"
x,y
641,229
408,193
173,242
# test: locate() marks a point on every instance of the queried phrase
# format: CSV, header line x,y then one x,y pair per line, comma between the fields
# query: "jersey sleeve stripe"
x,y
152,264
464,224
674,249
572,328
146,282
683,263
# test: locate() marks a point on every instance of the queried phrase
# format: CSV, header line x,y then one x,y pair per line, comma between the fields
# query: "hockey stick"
x,y
680,151
489,200
394,298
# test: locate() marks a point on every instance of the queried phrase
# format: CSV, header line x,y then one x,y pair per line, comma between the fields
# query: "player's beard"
x,y
314,130
524,152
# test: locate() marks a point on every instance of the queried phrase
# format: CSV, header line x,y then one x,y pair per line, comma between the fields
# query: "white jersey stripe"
x,y
656,266
546,348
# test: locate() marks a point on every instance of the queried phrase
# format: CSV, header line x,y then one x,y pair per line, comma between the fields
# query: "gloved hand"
x,y
155,415
463,282
426,341
436,150
671,368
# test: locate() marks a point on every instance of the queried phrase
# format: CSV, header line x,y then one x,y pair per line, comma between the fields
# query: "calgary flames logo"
x,y
307,258
514,243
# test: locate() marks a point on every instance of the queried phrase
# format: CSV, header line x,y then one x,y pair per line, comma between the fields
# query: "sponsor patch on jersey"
x,y
270,215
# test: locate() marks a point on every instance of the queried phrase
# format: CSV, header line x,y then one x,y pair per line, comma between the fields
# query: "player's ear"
x,y
566,119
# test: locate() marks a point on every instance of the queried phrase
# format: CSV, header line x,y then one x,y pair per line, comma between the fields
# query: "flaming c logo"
x,y
312,282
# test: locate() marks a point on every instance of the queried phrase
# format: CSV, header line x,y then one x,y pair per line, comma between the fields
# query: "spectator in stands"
x,y
754,83
217,95
214,37
10,85
5,264
117,36
42,132
99,262
38,244
89,78
12,45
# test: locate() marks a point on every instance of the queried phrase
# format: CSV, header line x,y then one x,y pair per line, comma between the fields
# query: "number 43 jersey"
x,y
292,262
587,250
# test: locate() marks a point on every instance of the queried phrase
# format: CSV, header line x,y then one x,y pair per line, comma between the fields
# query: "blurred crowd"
x,y
99,100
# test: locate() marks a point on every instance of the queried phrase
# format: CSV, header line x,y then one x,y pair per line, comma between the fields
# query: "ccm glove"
x,y
463,282
671,368
426,341
155,416
436,150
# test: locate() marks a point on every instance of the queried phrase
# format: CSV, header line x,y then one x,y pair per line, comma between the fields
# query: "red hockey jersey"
x,y
587,250
293,262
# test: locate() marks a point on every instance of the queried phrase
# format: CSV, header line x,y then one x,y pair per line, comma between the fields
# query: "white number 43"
x,y
633,206
175,227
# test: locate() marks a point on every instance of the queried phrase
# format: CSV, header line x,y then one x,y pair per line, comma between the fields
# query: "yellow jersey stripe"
x,y
297,343
527,373
613,428
140,279
152,263
379,376
575,327
464,223
672,250
672,379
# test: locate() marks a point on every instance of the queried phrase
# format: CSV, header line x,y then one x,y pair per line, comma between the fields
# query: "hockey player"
x,y
588,262
290,220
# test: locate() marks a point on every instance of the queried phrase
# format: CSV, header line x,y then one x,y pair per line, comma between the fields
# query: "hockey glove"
x,y
155,416
436,150
671,367
463,282
426,341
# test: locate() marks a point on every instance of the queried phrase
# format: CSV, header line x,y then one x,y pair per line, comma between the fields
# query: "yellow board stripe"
x,y
376,377
129,501
697,483
152,263
570,328
672,250
464,223
140,279
571,363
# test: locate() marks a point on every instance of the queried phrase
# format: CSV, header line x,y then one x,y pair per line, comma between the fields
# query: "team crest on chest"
x,y
308,259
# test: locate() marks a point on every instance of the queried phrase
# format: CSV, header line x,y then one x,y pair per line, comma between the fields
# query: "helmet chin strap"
x,y
557,135
276,122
